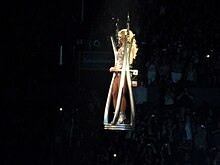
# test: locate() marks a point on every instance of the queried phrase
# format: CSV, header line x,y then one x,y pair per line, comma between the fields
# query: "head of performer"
x,y
121,37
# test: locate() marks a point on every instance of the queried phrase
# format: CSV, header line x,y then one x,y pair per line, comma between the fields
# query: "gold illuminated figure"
x,y
121,81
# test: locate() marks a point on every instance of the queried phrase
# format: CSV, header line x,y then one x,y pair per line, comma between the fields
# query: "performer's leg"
x,y
115,93
115,90
122,116
116,84
123,100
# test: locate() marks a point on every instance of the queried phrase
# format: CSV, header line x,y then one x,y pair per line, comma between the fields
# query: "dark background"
x,y
34,85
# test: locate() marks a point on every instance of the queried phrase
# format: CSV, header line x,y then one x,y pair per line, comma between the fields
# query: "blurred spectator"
x,y
185,98
216,160
151,153
181,114
164,69
170,127
164,134
140,97
151,67
216,135
189,130
200,144
166,154
195,57
169,97
140,93
210,119
184,54
177,69
215,79
191,75
150,135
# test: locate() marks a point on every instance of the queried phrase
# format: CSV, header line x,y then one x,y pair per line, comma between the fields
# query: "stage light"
x,y
61,109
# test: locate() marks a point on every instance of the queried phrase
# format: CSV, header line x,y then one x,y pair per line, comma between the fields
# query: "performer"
x,y
117,69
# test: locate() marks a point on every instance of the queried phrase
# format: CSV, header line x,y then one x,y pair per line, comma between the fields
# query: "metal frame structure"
x,y
125,76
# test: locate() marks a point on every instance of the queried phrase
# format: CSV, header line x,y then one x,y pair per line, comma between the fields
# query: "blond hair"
x,y
134,47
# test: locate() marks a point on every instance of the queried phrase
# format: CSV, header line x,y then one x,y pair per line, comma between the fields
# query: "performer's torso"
x,y
120,56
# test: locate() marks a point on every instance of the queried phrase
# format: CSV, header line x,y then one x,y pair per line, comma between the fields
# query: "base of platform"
x,y
119,127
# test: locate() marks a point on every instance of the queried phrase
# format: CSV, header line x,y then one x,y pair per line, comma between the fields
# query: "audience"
x,y
183,135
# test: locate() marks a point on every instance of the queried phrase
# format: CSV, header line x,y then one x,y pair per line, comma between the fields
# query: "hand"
x,y
115,68
111,69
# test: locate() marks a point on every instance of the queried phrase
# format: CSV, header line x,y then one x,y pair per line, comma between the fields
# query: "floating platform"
x,y
119,126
